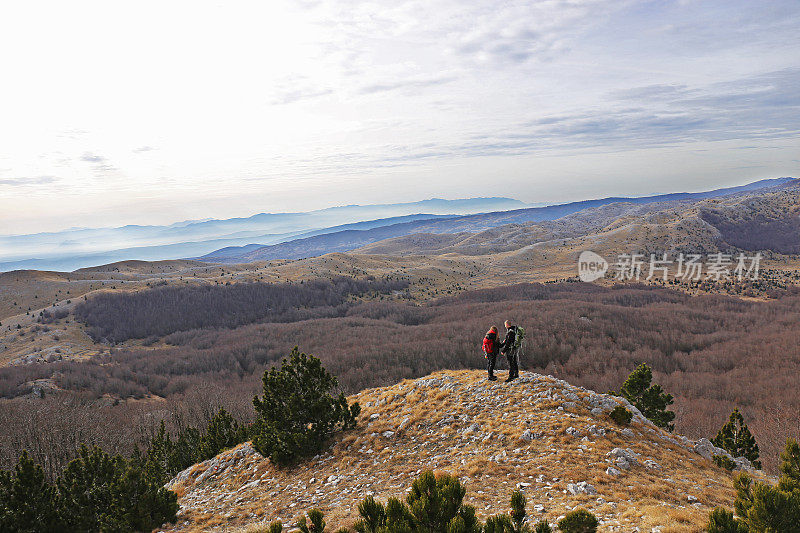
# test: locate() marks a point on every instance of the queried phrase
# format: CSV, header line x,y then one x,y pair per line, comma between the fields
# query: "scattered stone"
x,y
581,488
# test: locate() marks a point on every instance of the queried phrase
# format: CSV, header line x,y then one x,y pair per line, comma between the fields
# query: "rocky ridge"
x,y
552,440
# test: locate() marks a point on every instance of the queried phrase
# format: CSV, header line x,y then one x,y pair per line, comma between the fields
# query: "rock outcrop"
x,y
539,434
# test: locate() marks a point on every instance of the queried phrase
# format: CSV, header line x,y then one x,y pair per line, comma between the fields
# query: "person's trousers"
x,y
512,356
491,361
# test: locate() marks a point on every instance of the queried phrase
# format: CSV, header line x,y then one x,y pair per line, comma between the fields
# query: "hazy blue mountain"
x,y
350,239
79,247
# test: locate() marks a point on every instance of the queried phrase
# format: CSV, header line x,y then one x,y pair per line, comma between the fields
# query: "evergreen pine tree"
x,y
790,467
28,503
722,521
736,439
436,505
298,413
87,489
498,524
223,432
141,503
763,507
649,399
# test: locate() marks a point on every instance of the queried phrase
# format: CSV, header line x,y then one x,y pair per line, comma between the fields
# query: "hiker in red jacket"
x,y
491,347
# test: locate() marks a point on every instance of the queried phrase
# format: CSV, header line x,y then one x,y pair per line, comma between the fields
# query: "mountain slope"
x,y
349,240
763,219
79,247
542,435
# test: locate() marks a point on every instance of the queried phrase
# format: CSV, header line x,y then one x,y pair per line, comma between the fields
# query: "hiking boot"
x,y
492,378
510,378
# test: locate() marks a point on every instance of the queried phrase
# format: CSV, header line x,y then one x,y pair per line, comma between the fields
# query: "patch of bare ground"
x,y
542,435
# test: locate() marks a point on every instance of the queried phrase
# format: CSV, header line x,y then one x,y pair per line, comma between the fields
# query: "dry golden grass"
x,y
438,433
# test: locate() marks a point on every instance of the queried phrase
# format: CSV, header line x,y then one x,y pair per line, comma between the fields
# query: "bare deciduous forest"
x,y
713,353
165,310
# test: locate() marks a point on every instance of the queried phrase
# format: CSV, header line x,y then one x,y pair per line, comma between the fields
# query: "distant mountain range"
x,y
351,238
80,247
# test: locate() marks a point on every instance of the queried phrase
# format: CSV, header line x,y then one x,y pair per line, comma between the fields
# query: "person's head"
x,y
493,329
508,324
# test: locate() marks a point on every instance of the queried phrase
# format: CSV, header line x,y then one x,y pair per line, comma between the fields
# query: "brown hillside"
x,y
552,440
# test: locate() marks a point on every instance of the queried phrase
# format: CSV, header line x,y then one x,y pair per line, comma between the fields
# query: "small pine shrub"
x,y
27,501
650,399
298,412
723,461
763,507
518,510
314,522
578,521
498,524
275,527
621,416
436,505
542,526
87,490
223,432
735,438
722,521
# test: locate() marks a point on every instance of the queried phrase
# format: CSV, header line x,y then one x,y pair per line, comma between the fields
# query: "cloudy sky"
x,y
152,112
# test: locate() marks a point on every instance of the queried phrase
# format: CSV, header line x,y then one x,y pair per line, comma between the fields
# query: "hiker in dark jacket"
x,y
508,348
491,347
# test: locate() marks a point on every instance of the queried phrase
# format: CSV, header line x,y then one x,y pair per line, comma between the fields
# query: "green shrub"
x,y
621,416
275,527
88,490
498,524
762,507
790,467
222,432
436,505
722,521
578,521
518,510
28,503
542,526
96,492
141,501
314,524
736,439
723,461
166,457
378,518
298,414
649,399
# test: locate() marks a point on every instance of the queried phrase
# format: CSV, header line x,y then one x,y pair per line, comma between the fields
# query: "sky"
x,y
116,113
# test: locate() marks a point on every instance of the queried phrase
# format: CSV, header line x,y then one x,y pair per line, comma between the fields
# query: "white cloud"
x,y
294,105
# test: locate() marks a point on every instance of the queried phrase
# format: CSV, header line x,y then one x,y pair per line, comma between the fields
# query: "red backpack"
x,y
488,345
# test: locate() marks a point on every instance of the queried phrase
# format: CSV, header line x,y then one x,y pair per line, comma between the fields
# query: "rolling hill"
x,y
553,441
343,241
82,247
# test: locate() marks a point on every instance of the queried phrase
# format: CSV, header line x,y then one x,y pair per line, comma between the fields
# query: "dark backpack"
x,y
519,336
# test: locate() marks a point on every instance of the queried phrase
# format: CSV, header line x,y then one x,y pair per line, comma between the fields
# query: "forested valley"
x,y
712,352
